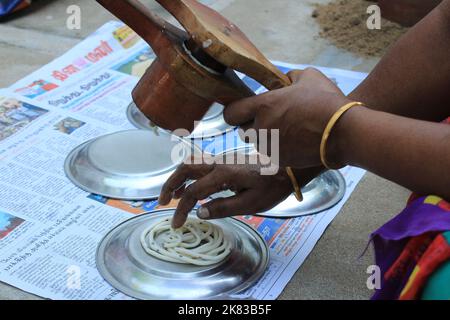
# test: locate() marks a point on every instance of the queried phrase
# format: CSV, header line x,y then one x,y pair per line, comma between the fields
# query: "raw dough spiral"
x,y
198,242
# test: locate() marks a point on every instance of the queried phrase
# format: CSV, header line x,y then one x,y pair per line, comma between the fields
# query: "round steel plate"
x,y
127,267
213,123
127,165
320,194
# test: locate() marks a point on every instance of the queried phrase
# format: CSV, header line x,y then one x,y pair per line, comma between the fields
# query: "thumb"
x,y
244,111
295,75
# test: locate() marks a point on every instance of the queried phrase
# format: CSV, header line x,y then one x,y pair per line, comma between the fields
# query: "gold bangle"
x,y
297,190
326,133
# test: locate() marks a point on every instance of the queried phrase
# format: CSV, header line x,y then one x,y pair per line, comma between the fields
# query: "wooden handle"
x,y
224,41
285,80
157,32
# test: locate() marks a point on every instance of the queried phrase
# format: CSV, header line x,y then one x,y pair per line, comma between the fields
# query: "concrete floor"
x,y
283,30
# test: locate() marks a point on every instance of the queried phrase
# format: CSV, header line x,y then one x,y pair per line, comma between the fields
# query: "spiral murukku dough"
x,y
198,242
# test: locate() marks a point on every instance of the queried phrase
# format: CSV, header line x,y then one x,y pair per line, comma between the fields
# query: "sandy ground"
x,y
284,30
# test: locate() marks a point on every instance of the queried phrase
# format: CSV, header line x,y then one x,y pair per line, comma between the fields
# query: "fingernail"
x,y
203,213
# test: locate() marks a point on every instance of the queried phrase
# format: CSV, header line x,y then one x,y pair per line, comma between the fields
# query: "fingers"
x,y
210,184
298,75
177,194
295,75
247,126
179,177
241,204
244,111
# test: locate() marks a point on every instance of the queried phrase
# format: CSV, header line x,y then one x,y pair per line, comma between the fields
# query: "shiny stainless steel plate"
x,y
320,194
127,267
213,124
127,165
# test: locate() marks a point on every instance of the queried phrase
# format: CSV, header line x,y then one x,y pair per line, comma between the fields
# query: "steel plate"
x,y
320,194
126,266
127,165
213,124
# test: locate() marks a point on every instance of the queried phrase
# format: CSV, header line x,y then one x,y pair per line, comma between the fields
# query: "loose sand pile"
x,y
343,22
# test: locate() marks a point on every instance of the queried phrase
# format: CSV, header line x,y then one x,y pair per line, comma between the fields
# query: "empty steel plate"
x,y
213,123
127,165
320,194
125,265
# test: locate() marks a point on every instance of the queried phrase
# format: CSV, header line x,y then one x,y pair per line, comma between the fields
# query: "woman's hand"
x,y
254,193
301,113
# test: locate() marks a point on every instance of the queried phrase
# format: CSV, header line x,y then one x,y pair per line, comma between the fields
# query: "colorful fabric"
x,y
10,6
438,286
413,251
437,253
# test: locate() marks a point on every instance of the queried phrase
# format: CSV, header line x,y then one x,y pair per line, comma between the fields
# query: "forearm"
x,y
406,12
412,153
412,79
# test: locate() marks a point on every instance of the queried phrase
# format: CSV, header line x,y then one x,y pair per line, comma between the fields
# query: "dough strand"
x,y
198,242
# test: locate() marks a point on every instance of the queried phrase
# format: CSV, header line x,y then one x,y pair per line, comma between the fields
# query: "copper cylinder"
x,y
167,103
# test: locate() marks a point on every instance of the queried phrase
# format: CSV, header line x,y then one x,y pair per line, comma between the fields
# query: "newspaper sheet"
x,y
49,229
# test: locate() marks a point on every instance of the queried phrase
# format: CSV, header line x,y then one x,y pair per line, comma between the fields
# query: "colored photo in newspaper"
x,y
8,223
16,115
